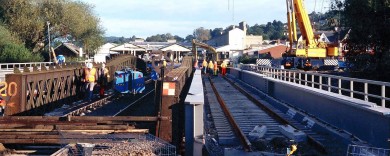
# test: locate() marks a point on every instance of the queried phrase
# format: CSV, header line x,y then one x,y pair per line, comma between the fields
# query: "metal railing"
x,y
11,66
41,89
355,150
367,90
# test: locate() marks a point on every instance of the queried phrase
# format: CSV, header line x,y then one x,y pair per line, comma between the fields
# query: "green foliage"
x,y
216,32
178,38
7,37
368,42
14,53
202,34
12,50
246,59
160,38
326,21
22,18
68,19
118,40
272,30
189,38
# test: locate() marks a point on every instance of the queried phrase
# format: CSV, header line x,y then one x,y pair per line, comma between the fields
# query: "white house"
x,y
104,51
232,44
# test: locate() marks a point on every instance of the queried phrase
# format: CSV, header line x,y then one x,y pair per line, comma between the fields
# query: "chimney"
x,y
243,26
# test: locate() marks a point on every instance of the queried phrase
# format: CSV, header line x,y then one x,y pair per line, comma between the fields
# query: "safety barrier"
x,y
11,66
352,117
367,90
356,150
27,90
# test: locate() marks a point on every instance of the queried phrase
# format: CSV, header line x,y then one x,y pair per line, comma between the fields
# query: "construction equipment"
x,y
55,61
205,46
310,46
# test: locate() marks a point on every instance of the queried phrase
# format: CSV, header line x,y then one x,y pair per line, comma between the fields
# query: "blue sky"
x,y
144,18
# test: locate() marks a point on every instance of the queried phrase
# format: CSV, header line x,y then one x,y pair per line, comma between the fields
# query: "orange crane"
x,y
310,46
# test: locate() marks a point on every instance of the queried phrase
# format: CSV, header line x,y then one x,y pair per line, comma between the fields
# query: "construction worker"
x,y
2,107
204,66
103,79
90,79
223,67
61,59
215,68
292,150
211,67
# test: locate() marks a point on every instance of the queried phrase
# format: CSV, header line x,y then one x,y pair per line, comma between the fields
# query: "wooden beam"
x,y
77,118
96,127
30,141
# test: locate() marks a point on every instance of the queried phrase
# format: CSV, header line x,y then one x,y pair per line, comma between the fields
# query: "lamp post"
x,y
48,34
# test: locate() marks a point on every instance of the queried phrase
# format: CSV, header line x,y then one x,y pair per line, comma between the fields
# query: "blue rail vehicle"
x,y
129,81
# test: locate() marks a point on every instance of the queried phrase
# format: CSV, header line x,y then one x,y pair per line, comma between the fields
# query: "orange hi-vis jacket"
x,y
90,75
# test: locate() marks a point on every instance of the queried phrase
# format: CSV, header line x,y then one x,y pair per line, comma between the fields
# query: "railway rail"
x,y
107,106
239,112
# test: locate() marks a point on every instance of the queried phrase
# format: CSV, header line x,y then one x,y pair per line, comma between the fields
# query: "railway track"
x,y
113,104
236,112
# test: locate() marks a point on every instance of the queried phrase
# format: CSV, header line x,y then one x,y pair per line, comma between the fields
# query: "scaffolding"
x,y
87,144
356,150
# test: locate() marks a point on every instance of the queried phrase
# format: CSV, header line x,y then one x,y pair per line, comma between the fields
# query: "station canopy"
x,y
175,47
127,47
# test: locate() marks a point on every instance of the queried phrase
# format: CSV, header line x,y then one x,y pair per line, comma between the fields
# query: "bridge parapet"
x,y
25,91
285,89
172,93
368,90
11,66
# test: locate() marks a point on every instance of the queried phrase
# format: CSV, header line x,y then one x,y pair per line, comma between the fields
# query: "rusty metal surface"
x,y
179,77
236,128
36,88
44,129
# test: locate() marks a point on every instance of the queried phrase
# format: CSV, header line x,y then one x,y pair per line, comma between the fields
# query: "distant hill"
x,y
119,40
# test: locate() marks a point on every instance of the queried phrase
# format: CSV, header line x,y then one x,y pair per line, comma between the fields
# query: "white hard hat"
x,y
89,65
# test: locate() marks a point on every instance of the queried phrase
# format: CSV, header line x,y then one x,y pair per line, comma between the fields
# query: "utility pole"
x,y
48,34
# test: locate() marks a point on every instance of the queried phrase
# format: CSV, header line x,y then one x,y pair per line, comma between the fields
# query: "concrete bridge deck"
x,y
322,105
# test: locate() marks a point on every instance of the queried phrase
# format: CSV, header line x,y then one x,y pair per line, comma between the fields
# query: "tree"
x,y
368,42
23,19
202,34
178,38
256,30
11,53
133,38
68,19
189,38
278,30
160,38
272,30
7,37
325,21
12,49
216,32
